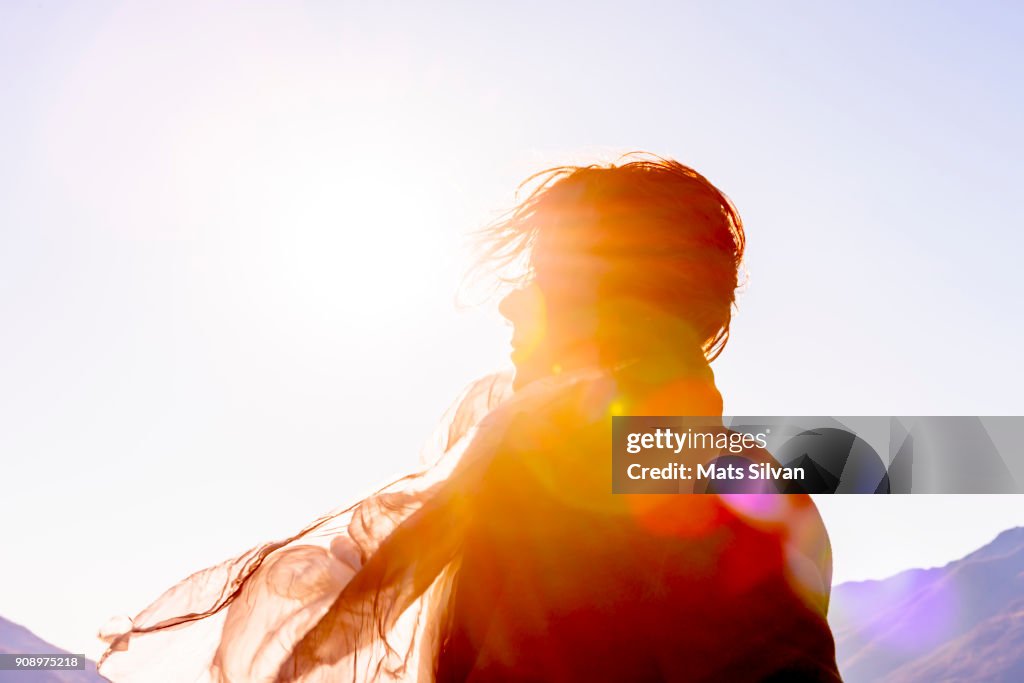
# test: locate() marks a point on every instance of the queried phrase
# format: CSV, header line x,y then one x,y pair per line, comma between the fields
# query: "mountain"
x,y
15,639
958,623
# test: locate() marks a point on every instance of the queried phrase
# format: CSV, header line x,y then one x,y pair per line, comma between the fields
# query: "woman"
x,y
510,559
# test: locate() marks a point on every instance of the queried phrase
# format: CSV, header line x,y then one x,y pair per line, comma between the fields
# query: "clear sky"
x,y
230,236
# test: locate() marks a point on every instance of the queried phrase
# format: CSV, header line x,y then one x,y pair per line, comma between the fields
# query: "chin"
x,y
522,376
519,380
525,373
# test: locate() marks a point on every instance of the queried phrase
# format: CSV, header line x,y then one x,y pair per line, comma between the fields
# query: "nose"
x,y
508,306
517,304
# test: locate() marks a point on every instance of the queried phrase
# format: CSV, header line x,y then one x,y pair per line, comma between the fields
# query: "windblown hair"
x,y
646,228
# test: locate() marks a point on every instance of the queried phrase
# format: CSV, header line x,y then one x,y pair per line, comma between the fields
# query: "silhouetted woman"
x,y
510,559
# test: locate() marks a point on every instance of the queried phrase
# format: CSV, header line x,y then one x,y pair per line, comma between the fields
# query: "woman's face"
x,y
550,331
525,309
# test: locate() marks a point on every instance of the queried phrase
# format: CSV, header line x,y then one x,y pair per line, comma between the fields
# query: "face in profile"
x,y
524,309
550,333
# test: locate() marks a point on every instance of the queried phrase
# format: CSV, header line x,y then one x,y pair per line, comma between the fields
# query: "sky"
x,y
231,237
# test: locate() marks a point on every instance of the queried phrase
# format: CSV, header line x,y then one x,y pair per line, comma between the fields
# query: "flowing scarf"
x,y
364,592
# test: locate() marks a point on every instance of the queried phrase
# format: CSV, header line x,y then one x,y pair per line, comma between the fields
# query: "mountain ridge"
x,y
896,629
17,639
